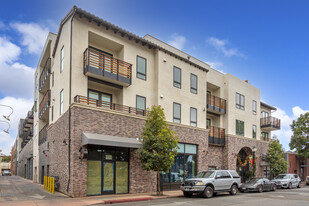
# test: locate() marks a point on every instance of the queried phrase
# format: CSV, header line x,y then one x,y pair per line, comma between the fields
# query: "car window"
x,y
296,176
225,174
219,174
234,174
283,177
207,174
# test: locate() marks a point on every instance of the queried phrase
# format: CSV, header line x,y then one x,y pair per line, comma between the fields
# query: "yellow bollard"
x,y
44,182
49,184
53,185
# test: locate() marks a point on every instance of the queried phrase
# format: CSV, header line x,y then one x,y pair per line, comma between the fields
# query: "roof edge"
x,y
268,106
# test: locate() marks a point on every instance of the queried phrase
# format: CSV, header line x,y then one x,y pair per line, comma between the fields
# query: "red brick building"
x,y
297,165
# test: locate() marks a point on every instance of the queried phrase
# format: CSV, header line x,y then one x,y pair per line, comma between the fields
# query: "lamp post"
x,y
6,131
7,117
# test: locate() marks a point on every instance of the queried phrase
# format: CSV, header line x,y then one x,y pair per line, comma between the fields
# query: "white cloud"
x,y
16,79
8,51
217,66
220,45
178,41
285,133
20,106
33,36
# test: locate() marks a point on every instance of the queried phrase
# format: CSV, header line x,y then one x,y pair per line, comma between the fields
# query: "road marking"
x,y
277,196
37,196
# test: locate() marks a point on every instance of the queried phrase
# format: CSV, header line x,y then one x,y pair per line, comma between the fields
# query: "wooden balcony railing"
x,y
216,104
44,75
105,65
109,105
216,136
270,122
44,103
43,135
265,139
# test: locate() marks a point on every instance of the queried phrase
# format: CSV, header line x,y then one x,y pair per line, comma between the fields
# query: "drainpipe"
x,y
70,94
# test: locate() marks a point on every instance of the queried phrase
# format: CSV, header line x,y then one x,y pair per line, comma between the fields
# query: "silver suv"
x,y
287,181
212,181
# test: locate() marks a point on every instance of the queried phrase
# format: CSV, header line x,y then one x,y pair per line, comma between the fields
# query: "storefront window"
x,y
184,165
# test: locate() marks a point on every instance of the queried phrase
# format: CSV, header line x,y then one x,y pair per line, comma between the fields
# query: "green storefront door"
x,y
108,177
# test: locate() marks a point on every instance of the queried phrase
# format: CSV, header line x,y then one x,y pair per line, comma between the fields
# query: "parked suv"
x,y
212,181
287,181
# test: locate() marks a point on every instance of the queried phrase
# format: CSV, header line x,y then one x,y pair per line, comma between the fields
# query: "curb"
x,y
127,200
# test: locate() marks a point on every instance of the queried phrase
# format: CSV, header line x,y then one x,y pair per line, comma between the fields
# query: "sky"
x,y
263,41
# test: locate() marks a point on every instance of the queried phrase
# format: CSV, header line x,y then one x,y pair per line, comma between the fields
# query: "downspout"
x,y
70,95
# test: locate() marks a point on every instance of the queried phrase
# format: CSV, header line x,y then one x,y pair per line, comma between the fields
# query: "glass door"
x,y
108,177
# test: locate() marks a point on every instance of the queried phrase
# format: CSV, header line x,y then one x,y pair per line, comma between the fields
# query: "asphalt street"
x,y
281,197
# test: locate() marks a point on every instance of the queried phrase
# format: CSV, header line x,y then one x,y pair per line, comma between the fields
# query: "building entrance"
x,y
107,170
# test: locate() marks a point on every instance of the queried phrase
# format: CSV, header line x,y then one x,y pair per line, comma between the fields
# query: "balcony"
x,y
43,135
216,104
44,106
270,123
28,134
44,80
265,139
28,120
104,67
216,136
109,105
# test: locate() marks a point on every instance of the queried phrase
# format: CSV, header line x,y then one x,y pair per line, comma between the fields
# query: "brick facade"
x,y
85,119
297,165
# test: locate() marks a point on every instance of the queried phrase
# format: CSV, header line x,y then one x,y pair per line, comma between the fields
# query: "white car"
x,y
287,181
307,180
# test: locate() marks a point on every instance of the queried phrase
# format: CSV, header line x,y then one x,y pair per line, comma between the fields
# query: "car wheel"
x,y
234,190
260,188
299,185
274,187
290,186
187,194
208,192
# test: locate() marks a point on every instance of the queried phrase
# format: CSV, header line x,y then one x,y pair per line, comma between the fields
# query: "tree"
x,y
159,143
6,159
275,158
300,138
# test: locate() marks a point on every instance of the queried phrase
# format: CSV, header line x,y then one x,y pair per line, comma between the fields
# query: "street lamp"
x,y
7,117
6,131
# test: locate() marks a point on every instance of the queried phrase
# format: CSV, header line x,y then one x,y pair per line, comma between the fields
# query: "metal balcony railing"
x,y
109,105
45,103
216,135
45,73
216,104
270,122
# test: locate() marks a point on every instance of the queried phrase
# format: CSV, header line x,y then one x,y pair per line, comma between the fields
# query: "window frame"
x,y
192,89
254,107
237,132
192,108
240,106
61,59
139,73
61,102
100,94
175,103
254,132
174,81
136,102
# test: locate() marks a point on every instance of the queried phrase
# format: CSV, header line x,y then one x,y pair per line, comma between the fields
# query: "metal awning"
x,y
108,140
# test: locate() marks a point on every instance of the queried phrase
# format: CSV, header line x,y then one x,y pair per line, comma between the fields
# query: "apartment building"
x,y
93,83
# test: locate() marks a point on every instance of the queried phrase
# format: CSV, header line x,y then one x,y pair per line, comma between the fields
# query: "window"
x,y
254,107
52,113
184,165
141,68
61,58
104,98
35,106
234,174
265,136
265,114
240,101
208,123
254,131
193,84
53,79
140,102
177,77
240,128
36,81
212,167
177,113
61,102
193,117
226,175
